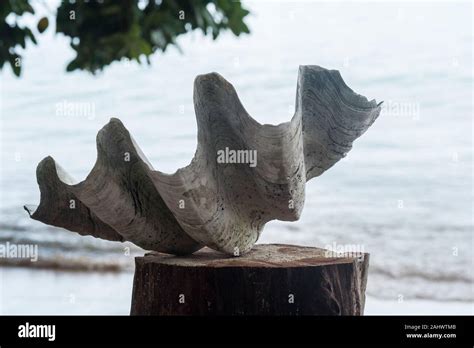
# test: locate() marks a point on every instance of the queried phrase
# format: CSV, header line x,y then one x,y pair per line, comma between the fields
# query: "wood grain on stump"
x,y
272,279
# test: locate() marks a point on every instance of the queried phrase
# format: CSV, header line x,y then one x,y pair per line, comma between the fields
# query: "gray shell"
x,y
220,205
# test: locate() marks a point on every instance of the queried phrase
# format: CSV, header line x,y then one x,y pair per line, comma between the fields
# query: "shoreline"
x,y
109,293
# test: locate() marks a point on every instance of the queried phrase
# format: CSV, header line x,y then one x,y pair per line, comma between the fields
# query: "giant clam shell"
x,y
208,203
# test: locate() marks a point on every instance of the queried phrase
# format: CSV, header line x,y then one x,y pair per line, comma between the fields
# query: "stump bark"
x,y
272,279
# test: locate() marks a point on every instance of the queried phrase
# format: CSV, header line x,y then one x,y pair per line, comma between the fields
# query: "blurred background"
x,y
404,193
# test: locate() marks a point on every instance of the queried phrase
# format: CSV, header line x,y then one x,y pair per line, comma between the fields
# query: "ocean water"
x,y
404,193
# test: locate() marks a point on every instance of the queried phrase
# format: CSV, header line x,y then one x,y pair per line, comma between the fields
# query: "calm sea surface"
x,y
404,193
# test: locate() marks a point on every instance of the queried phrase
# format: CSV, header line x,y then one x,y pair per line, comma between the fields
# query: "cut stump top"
x,y
261,256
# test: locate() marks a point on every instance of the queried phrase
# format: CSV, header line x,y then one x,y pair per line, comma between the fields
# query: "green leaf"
x,y
43,24
14,59
73,65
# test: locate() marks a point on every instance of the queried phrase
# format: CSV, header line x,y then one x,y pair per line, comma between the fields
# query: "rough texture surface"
x,y
220,205
269,280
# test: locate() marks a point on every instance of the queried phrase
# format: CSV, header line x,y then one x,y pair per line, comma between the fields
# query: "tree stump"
x,y
272,279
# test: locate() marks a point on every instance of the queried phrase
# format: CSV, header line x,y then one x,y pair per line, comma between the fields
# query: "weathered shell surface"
x,y
221,205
